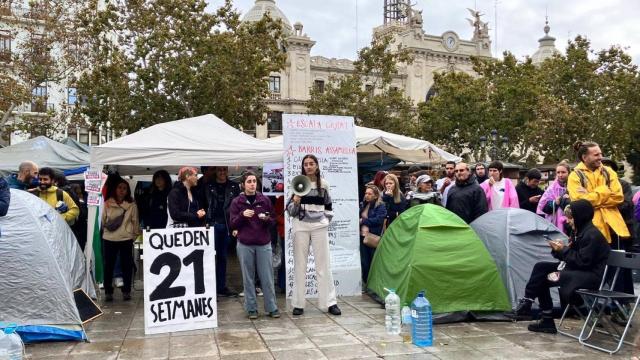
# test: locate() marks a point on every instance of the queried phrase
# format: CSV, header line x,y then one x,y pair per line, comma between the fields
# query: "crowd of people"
x,y
589,203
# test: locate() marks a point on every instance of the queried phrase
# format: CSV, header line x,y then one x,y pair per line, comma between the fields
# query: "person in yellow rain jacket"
x,y
59,199
599,185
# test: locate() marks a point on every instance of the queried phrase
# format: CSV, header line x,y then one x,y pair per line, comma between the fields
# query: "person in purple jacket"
x,y
251,218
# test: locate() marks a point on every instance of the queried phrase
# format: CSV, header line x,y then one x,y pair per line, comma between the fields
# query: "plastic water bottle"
x,y
405,332
392,313
422,329
11,347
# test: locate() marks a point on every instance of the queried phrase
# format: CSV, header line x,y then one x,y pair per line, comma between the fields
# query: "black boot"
x,y
545,325
522,311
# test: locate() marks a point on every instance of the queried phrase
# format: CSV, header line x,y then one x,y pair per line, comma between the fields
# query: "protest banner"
x,y
332,140
179,280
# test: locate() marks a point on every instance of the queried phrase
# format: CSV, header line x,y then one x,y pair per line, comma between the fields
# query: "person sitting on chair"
x,y
582,265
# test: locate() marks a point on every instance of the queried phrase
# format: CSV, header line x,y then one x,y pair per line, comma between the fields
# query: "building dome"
x,y
547,47
262,7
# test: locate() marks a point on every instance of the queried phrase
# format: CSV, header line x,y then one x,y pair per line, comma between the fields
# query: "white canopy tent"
x,y
199,141
374,141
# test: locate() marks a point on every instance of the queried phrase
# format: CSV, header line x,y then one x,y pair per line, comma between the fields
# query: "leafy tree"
x,y
367,93
45,50
162,60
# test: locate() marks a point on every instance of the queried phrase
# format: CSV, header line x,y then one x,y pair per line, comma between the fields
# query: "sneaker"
x,y
118,282
297,311
334,310
545,325
253,315
522,311
275,314
126,296
108,297
259,292
241,294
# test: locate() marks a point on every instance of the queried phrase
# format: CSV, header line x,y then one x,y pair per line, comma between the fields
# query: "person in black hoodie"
x,y
582,265
529,193
153,203
466,199
185,207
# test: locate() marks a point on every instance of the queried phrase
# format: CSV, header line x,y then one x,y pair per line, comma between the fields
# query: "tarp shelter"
x,y
44,152
41,265
430,248
372,142
203,140
514,238
76,144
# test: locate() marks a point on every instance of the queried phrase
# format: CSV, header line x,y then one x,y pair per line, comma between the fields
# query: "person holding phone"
x,y
529,192
580,265
556,198
251,220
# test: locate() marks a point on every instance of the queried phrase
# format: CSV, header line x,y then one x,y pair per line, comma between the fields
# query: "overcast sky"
x,y
332,23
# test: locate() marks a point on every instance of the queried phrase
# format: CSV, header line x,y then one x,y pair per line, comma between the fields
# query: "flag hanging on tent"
x,y
97,250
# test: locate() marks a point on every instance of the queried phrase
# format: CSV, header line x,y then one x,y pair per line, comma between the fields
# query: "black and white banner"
x,y
179,280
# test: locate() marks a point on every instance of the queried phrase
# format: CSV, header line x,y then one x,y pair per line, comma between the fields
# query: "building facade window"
x,y
5,47
369,90
274,121
319,85
39,99
274,84
72,96
431,93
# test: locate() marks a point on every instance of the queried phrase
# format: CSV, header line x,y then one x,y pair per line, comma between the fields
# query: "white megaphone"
x,y
301,185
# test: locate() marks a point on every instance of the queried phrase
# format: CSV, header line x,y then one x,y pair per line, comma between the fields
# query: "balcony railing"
x,y
40,107
274,96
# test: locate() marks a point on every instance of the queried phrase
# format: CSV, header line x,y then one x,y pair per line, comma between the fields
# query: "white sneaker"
x,y
118,282
241,294
259,292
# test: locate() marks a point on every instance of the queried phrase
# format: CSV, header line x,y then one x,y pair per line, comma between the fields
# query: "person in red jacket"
x,y
251,217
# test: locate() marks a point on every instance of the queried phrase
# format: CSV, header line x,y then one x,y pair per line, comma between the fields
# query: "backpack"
x,y
584,180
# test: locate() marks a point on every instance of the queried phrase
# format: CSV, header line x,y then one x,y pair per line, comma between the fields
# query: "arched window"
x,y
431,93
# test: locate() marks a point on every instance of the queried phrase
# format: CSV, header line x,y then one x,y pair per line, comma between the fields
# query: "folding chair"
x,y
599,300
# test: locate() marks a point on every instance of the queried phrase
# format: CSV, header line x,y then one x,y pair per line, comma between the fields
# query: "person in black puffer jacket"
x,y
185,207
466,199
153,203
584,259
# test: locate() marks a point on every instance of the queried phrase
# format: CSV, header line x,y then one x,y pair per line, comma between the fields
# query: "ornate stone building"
x,y
290,88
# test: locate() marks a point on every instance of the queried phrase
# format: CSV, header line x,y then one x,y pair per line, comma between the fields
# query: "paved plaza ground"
x,y
358,334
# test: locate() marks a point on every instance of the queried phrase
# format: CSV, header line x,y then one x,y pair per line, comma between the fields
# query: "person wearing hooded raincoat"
x,y
555,198
584,259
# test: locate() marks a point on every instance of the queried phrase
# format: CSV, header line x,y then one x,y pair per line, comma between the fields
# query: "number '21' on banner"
x,y
179,280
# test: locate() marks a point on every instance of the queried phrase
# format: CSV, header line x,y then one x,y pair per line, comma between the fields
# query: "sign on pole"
x,y
332,140
179,280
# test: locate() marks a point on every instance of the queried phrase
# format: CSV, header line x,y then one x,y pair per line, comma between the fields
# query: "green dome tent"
x,y
431,248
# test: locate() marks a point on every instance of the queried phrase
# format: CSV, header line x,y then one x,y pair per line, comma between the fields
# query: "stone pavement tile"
x,y
139,334
109,335
192,332
45,350
325,330
464,355
446,344
100,356
252,356
274,333
53,357
348,352
239,342
307,354
369,336
354,319
103,348
192,346
503,328
532,339
419,356
466,330
144,349
302,322
513,352
487,342
300,342
235,326
335,340
384,349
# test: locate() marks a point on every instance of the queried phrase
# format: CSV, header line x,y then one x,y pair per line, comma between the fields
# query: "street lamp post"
x,y
495,148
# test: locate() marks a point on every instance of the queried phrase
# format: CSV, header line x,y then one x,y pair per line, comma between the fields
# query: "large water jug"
x,y
422,322
11,347
392,313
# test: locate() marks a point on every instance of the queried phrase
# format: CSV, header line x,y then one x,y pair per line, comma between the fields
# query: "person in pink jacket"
x,y
500,192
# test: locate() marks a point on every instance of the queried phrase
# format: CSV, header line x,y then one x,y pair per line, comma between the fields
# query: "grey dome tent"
x,y
41,265
514,238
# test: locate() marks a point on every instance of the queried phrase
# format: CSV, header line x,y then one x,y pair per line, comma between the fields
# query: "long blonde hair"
x,y
397,194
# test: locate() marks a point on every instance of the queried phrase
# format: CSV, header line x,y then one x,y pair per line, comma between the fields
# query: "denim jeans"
x,y
257,258
222,241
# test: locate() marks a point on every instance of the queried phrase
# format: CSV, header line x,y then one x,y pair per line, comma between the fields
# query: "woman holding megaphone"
x,y
311,213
